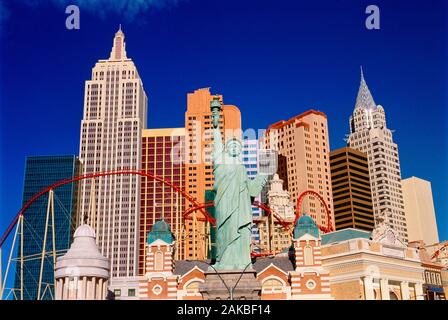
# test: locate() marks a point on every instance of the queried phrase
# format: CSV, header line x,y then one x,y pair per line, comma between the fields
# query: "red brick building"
x,y
296,274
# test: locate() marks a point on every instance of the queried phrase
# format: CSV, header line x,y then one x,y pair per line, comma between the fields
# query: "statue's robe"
x,y
233,208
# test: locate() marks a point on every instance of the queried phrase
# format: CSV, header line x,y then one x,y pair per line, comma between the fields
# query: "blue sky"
x,y
273,59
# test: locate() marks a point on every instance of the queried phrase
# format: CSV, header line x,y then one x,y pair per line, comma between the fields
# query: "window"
x,y
393,296
158,261
131,292
271,285
193,287
310,284
117,292
157,289
308,256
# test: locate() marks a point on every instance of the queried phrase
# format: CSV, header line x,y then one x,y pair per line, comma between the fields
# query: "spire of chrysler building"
x,y
364,99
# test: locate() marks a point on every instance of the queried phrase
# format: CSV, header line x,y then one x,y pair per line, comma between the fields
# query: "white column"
x,y
419,291
384,285
75,288
66,289
56,290
82,289
93,292
368,288
404,286
104,290
88,289
99,294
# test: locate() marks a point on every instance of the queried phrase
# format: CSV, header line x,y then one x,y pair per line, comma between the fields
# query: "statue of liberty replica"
x,y
233,213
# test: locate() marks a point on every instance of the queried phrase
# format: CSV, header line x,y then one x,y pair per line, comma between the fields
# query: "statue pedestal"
x,y
247,288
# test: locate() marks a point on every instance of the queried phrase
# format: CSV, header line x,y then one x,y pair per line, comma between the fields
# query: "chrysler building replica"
x,y
115,106
369,134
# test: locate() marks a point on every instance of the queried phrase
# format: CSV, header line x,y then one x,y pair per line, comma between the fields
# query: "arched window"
x,y
271,285
308,256
193,287
158,261
393,296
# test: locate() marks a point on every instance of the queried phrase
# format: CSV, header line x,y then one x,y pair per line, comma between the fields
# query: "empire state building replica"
x,y
115,107
369,134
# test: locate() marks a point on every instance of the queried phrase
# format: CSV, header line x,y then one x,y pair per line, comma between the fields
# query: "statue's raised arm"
x,y
218,147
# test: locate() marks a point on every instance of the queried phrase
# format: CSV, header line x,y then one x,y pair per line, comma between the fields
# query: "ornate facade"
x,y
273,237
83,272
349,264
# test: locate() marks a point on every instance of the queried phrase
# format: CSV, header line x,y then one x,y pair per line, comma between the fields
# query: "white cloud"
x,y
4,15
128,9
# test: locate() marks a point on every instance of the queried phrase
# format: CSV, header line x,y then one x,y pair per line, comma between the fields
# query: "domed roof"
x,y
84,231
305,225
160,230
83,258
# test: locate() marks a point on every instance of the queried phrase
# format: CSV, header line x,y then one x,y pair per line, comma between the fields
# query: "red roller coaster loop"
x,y
329,226
210,219
207,216
90,176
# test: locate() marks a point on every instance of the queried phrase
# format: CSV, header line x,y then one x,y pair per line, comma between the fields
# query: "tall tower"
x,y
303,159
163,154
352,197
419,210
250,161
369,134
115,106
199,168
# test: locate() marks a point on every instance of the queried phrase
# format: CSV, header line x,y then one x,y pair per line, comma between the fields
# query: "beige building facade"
x,y
273,236
303,147
115,107
372,267
419,210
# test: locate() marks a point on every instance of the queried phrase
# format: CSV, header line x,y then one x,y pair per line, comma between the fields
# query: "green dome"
x,y
305,225
160,230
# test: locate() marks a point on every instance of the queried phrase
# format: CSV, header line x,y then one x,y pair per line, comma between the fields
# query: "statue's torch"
x,y
215,106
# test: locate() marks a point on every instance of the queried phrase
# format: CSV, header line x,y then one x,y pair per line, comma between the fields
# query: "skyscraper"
x,y
303,147
352,197
250,161
41,172
163,154
370,134
199,168
115,107
419,210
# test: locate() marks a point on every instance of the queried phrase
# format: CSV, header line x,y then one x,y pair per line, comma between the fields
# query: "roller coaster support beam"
x,y
10,257
50,208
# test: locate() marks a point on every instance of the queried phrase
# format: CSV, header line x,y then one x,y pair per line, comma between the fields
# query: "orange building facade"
x,y
198,169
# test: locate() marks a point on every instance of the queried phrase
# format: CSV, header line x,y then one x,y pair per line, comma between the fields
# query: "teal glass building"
x,y
41,172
